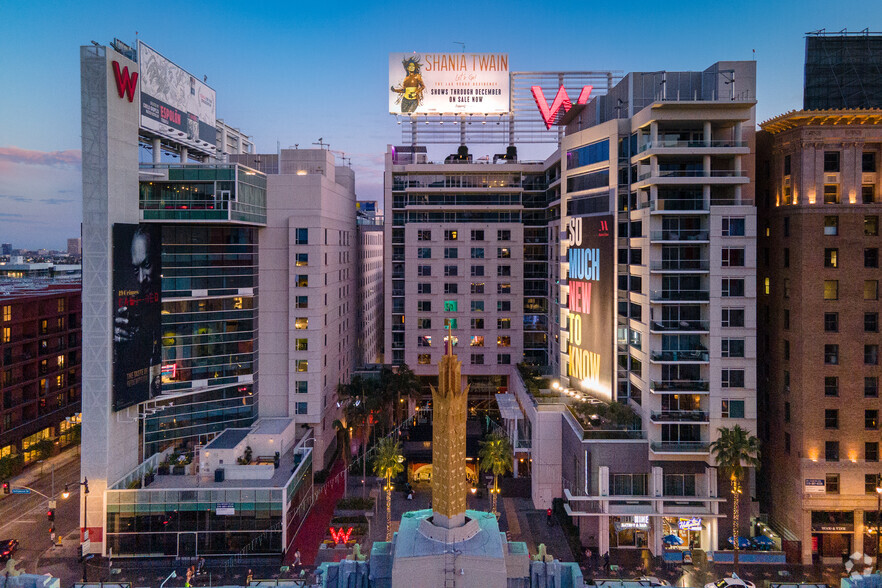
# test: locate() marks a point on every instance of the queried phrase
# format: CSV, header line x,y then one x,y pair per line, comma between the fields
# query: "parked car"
x,y
731,582
653,581
7,548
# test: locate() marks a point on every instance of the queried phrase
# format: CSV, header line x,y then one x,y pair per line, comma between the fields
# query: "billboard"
x,y
136,304
591,303
449,83
173,102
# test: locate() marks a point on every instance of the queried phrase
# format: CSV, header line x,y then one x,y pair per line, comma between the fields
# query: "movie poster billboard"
x,y
137,320
449,83
590,304
174,102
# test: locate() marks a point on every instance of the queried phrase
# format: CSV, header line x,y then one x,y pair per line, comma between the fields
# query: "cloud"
x,y
70,158
15,198
55,200
12,217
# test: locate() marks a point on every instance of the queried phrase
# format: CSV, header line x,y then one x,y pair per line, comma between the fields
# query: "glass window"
x,y
424,358
831,289
477,253
424,341
831,322
871,451
424,288
302,260
831,161
477,271
832,483
451,288
451,253
477,358
503,288
871,257
733,257
450,235
831,450
733,226
450,306
732,409
831,386
7,313
503,252
450,323
871,354
477,323
477,341
503,359
787,165
871,386
868,162
301,281
831,225
301,387
424,235
732,287
450,270
477,235
477,288
424,305
831,193
831,258
301,365
424,270
733,347
732,379
503,305
424,323
503,323
831,354
301,236
871,419
786,412
301,323
301,408
868,193
503,271
733,317
477,306
503,341
503,235
871,226
302,302
871,289
301,344
424,253
871,482
831,418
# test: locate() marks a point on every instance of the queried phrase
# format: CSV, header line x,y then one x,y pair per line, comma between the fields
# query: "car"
x,y
653,581
7,548
731,582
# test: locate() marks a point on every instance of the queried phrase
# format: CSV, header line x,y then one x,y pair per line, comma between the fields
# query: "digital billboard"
x,y
136,304
449,83
174,102
590,303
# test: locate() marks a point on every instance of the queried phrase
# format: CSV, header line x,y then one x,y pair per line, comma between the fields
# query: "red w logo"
x,y
125,83
341,536
561,100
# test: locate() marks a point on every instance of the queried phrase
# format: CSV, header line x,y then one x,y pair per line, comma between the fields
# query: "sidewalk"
x,y
37,470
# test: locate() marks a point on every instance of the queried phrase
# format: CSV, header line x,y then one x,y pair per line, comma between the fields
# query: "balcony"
x,y
679,296
680,416
680,447
687,235
679,265
679,327
698,355
679,386
668,205
666,145
712,176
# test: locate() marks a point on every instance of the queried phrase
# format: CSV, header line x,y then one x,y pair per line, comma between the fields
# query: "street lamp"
x,y
66,494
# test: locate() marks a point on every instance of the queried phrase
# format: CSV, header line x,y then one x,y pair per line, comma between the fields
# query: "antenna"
x,y
322,144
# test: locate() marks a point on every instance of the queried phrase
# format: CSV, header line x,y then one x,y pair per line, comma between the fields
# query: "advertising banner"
x,y
137,320
174,102
590,303
449,83
815,486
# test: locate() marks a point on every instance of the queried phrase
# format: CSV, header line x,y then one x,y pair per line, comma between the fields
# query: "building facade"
x,y
370,290
843,70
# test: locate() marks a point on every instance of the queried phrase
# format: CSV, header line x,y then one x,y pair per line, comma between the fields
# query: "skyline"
x,y
289,74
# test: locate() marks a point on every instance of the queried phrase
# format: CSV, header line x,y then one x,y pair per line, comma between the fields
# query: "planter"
x,y
178,470
148,479
162,470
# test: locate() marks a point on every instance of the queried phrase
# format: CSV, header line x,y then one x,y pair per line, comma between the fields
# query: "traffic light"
x,y
5,487
50,515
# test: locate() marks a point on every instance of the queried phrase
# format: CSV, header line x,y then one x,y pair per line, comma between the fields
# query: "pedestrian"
x,y
249,578
588,554
606,561
297,562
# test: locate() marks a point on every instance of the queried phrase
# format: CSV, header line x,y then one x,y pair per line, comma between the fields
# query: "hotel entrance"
x,y
832,535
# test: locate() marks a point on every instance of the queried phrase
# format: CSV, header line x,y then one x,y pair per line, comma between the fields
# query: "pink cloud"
x,y
70,158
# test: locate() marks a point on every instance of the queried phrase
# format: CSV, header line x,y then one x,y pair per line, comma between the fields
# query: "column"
x,y
653,132
157,150
602,535
184,155
739,129
806,539
707,165
857,542
223,140
707,133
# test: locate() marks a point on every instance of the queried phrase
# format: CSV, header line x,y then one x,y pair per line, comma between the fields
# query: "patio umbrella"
x,y
743,543
763,540
672,540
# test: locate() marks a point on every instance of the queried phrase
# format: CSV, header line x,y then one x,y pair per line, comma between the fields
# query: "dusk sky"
x,y
291,72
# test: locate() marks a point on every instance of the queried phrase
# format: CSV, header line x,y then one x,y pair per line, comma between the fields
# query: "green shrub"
x,y
355,503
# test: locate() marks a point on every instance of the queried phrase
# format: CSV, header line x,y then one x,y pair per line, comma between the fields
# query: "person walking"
x,y
249,577
606,562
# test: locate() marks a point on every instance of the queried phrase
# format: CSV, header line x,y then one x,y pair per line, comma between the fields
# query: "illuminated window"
x,y
450,323
301,344
301,387
503,252
424,341
503,323
7,335
61,305
831,289
302,260
503,341
871,289
450,306
831,225
455,340
477,287
301,365
503,288
7,313
302,281
424,359
831,258
831,193
450,235
766,286
301,323
477,341
59,381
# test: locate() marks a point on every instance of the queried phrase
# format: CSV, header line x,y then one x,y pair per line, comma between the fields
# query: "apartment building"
x,y
370,289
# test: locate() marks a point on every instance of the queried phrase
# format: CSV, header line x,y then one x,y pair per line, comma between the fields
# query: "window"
x,y
831,289
424,235
450,323
477,358
871,419
451,306
503,252
733,227
503,359
450,271
871,451
871,257
302,302
503,305
477,253
733,317
301,281
678,485
503,341
871,289
786,227
732,409
451,253
787,318
424,305
831,322
831,225
831,483
787,165
477,341
301,323
786,288
424,270
868,162
477,288
786,412
477,323
424,358
787,442
732,379
301,259
831,450
871,482
831,386
301,387
831,193
301,407
503,235
424,253
301,236
733,287
831,354
477,306
868,193
733,347
831,418
301,365
7,313
871,354
477,271
450,235
871,386
733,257
503,288
786,256
301,344
451,288
503,271
831,258
477,235
503,323
424,288
424,323
6,336
871,226
831,161
424,341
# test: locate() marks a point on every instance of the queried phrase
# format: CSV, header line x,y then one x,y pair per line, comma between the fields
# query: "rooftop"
x,y
832,117
228,439
287,465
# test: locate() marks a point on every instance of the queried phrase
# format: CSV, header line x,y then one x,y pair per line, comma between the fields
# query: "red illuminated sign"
x,y
561,100
125,83
170,370
341,536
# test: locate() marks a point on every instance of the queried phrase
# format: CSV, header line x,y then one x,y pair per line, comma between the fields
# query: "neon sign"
x,y
125,83
169,370
693,524
340,536
561,100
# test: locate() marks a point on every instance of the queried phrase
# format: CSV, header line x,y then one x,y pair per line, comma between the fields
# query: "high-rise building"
x,y
6,249
370,287
74,247
819,211
843,70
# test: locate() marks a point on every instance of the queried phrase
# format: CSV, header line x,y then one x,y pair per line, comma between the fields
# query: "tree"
x,y
399,386
496,457
360,397
733,450
388,463
44,448
343,440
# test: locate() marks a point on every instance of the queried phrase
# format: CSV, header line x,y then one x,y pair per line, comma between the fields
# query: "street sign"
x,y
52,504
21,490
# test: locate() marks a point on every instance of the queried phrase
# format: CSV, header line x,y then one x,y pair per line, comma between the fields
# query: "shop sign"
x,y
637,522
815,486
693,524
225,508
828,528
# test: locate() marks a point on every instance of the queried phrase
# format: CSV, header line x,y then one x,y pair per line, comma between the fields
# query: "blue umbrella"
x,y
672,540
763,540
743,543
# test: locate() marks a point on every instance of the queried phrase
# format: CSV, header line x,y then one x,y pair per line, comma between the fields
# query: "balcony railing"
x,y
679,295
680,447
680,265
700,144
688,355
679,386
681,235
613,434
678,326
691,173
679,416
675,204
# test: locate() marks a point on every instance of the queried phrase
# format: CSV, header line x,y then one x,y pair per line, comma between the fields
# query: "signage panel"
x,y
815,486
693,524
449,83
225,509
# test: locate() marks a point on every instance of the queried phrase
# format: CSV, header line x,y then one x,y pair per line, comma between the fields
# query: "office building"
x,y
819,210
842,70
74,247
40,356
370,286
6,249
232,141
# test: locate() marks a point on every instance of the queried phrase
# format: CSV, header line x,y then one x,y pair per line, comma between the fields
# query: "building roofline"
x,y
822,117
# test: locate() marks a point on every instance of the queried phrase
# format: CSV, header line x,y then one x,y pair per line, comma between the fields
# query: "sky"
x,y
292,72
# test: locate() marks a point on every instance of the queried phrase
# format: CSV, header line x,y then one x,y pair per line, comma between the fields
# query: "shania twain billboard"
x,y
590,304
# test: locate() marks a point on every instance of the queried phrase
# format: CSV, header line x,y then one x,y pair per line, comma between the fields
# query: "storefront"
x,y
832,533
688,530
629,532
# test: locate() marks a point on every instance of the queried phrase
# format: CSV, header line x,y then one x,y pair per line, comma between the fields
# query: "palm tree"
x,y
733,450
402,385
388,463
495,457
343,441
